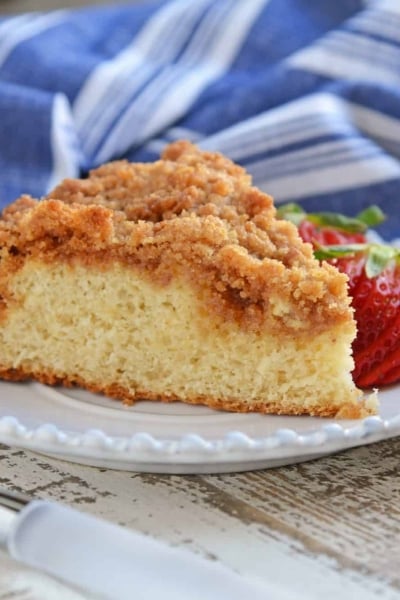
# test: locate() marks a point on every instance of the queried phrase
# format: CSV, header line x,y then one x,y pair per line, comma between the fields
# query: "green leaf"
x,y
338,221
371,216
291,212
339,251
378,258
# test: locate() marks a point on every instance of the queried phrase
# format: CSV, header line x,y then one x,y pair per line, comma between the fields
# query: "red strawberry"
x,y
326,228
326,236
374,286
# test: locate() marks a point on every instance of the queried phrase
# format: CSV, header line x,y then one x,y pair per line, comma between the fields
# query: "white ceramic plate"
x,y
175,438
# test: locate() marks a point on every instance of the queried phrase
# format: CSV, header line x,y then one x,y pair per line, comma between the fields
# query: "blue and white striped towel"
x,y
304,93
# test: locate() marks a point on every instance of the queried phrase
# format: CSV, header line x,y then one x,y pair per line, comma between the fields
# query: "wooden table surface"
x,y
326,529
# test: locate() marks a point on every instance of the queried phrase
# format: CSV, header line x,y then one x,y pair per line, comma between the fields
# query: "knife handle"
x,y
117,563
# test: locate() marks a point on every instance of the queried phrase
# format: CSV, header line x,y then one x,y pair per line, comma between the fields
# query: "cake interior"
x,y
115,331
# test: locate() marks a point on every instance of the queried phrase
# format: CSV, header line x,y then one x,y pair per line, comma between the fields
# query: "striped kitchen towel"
x,y
304,93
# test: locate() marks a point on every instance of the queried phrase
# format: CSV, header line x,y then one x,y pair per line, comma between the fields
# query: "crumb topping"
x,y
192,214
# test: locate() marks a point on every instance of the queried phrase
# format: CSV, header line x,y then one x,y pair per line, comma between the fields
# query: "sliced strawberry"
x,y
374,286
393,375
376,302
379,363
326,236
327,228
383,372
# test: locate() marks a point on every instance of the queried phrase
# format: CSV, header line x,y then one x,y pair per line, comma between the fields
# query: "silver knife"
x,y
114,562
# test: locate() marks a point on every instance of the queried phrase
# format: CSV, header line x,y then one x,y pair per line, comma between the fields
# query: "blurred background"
x,y
304,93
14,6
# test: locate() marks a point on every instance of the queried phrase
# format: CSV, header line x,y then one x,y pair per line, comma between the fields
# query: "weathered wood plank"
x,y
346,507
331,524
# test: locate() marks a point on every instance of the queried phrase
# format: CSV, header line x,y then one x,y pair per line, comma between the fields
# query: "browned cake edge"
x,y
352,410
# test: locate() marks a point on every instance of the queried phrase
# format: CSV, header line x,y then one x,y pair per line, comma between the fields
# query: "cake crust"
x,y
354,409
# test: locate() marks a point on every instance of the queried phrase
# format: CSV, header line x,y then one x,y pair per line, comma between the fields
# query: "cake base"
x,y
114,331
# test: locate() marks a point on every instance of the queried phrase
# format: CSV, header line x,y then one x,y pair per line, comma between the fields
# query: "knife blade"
x,y
115,562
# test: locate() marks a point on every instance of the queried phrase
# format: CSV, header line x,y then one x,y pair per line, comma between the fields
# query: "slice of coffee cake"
x,y
169,281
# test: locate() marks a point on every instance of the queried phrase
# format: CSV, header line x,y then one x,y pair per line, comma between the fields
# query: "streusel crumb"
x,y
193,212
